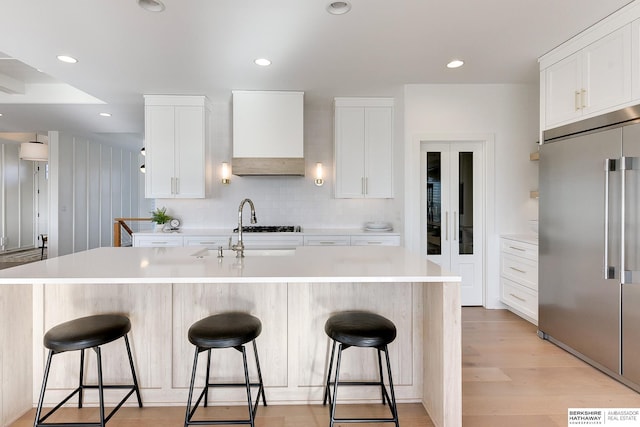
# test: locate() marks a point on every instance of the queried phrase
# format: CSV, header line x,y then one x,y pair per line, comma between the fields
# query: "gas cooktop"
x,y
270,229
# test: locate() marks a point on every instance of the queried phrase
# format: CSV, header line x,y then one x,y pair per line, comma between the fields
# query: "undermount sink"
x,y
210,252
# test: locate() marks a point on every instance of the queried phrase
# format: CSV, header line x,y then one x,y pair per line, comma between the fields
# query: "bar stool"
x,y
43,238
81,334
360,329
225,330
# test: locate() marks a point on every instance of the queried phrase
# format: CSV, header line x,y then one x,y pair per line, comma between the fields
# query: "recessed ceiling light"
x,y
67,59
263,62
151,5
456,63
105,114
339,7
0,114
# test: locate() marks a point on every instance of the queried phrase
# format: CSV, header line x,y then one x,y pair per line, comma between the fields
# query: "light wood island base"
x,y
423,303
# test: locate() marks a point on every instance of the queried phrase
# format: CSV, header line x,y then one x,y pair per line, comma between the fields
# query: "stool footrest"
x,y
254,408
131,388
364,420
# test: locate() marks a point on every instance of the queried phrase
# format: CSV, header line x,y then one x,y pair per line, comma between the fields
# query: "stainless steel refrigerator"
x,y
589,242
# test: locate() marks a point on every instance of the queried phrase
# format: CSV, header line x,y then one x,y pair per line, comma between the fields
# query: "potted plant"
x,y
160,217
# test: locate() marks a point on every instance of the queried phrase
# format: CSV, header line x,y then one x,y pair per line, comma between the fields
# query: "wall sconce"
x,y
143,152
143,169
319,175
226,173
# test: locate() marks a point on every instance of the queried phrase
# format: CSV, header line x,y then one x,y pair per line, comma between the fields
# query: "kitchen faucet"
x,y
239,247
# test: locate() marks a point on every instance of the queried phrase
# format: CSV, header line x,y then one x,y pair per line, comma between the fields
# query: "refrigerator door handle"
x,y
609,270
626,164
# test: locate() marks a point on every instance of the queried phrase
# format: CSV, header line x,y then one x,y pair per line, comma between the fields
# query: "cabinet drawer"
x,y
375,240
327,241
208,241
520,298
520,249
155,242
269,240
521,270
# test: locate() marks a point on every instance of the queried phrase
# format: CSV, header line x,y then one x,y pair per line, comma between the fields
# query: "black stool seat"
x,y
360,329
86,332
225,330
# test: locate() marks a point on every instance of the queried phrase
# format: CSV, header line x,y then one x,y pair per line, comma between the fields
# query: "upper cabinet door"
x,y
379,152
563,90
159,149
363,148
349,152
189,152
175,140
607,72
594,80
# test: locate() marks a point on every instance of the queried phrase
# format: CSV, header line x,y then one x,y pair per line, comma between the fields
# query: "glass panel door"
x,y
434,204
452,211
465,203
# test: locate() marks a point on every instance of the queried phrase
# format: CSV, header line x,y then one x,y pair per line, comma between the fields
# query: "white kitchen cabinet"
x,y
519,276
328,240
157,241
363,147
208,241
377,240
595,79
176,130
269,240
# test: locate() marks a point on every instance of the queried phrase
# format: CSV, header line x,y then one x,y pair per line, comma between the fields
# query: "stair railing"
x,y
119,224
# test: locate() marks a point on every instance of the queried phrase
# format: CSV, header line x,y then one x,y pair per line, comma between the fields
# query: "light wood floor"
x,y
510,378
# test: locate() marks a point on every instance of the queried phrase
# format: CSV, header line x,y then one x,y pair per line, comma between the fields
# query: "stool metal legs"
x,y
191,407
388,397
40,421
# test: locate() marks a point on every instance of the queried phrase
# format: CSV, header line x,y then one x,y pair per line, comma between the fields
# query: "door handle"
x,y
517,297
576,100
626,164
609,270
446,226
455,225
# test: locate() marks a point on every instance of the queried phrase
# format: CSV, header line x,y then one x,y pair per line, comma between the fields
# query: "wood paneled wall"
x,y
96,182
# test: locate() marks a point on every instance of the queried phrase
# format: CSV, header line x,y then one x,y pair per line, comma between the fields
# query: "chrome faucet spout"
x,y
239,247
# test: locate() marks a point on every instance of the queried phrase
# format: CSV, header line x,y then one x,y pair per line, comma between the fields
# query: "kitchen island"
x,y
165,290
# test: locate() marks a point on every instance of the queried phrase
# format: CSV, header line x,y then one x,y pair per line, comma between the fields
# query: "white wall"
x,y
288,200
509,113
92,181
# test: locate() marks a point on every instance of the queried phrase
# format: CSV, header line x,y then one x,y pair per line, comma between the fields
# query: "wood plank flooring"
x,y
510,378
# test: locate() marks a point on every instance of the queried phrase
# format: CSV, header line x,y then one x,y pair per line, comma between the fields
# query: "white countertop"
x,y
229,232
526,238
182,265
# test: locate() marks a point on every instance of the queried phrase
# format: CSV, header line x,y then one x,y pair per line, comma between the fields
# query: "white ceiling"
x,y
208,47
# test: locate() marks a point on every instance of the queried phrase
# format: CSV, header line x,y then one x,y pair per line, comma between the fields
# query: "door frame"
x,y
414,196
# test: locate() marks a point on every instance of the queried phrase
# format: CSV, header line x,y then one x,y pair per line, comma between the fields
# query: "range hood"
x,y
268,133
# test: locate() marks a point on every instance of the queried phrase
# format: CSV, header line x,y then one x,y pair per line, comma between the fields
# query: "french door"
x,y
453,212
